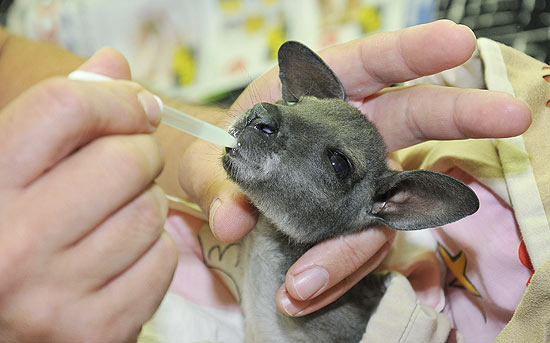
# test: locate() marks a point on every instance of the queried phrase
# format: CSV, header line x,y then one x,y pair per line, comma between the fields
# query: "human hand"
x,y
82,253
403,116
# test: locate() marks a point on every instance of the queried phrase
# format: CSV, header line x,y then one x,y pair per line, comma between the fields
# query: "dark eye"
x,y
268,129
340,163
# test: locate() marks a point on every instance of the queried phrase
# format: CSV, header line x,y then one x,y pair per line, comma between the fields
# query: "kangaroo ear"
x,y
303,72
421,199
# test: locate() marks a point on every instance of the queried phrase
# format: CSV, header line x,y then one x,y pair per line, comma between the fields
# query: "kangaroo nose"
x,y
263,119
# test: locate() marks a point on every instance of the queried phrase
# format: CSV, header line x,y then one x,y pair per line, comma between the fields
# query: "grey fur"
x,y
283,163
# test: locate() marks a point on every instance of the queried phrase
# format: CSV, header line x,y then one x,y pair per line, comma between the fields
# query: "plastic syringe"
x,y
173,117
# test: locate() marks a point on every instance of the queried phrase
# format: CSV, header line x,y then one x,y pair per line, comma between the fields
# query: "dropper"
x,y
173,117
196,127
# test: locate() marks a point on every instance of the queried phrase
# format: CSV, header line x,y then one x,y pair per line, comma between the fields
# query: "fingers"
x,y
76,169
119,241
56,117
330,268
88,186
404,117
108,62
203,179
231,216
367,65
144,283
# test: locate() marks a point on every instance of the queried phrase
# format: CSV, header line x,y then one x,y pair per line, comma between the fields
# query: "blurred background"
x,y
208,50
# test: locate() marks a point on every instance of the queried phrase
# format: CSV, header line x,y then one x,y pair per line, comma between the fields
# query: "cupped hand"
x,y
404,116
83,256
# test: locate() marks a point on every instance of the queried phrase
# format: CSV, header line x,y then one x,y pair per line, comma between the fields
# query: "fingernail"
x,y
468,29
292,308
309,282
82,75
213,207
151,105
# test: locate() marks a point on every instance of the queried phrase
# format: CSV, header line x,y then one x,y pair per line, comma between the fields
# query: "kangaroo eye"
x,y
266,128
340,163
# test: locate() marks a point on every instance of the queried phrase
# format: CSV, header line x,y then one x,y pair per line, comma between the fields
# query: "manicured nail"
x,y
292,308
213,207
309,282
151,105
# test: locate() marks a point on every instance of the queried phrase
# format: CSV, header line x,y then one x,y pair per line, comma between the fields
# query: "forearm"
x,y
24,62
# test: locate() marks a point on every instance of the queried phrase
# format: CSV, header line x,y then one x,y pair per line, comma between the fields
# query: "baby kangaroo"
x,y
315,168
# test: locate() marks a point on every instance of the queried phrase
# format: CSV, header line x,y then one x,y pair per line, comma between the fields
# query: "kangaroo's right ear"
x,y
303,73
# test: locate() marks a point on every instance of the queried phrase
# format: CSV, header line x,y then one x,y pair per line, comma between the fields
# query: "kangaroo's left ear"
x,y
421,199
303,73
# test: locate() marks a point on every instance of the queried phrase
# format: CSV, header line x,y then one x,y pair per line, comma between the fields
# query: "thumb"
x,y
109,62
230,214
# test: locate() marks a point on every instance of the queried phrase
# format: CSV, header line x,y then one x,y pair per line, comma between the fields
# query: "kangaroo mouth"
x,y
230,151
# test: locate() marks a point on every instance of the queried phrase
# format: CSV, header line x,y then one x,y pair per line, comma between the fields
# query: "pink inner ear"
x,y
546,78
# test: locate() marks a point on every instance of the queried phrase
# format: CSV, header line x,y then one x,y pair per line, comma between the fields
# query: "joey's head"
x,y
315,166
